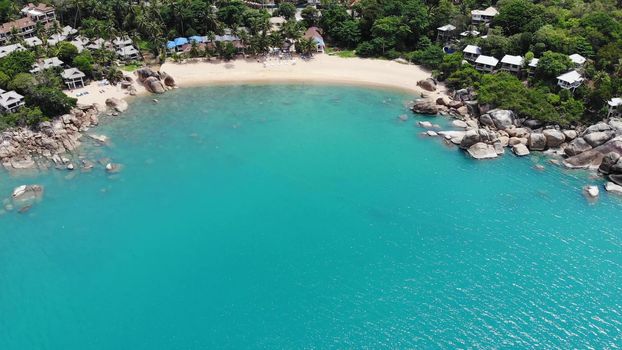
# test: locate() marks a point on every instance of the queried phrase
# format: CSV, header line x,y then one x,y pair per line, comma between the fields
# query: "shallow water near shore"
x,y
298,217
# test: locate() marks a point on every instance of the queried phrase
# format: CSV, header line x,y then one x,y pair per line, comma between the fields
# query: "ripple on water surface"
x,y
290,216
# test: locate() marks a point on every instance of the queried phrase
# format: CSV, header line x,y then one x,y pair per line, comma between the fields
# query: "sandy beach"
x,y
320,69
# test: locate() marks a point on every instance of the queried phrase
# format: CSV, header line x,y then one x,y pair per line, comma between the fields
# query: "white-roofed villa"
x,y
10,101
471,52
128,53
483,16
532,65
73,77
486,64
512,64
445,33
577,59
570,80
614,107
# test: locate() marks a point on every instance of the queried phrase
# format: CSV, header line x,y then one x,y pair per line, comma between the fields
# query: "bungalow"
x,y
99,44
47,63
615,107
483,16
469,33
577,59
445,33
471,52
486,63
7,50
176,45
570,80
533,64
56,38
314,33
512,64
128,53
39,13
122,42
10,101
33,42
24,27
73,77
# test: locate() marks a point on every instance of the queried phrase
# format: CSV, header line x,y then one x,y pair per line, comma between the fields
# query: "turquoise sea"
x,y
305,217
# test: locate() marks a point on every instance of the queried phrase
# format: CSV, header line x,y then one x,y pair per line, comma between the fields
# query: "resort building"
x,y
73,77
128,53
533,64
7,50
512,64
314,33
577,59
445,33
24,27
39,13
471,52
33,42
486,64
483,16
615,107
10,101
100,44
570,80
469,33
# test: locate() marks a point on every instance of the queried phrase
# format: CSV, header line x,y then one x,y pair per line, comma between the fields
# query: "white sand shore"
x,y
319,69
98,93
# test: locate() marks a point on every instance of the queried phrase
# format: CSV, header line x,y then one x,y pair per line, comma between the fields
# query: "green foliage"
x,y
465,77
450,64
66,51
51,101
25,116
430,57
310,16
287,10
551,65
17,62
84,62
515,16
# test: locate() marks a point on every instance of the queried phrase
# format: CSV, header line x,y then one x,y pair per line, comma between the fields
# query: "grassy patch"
x,y
130,67
346,54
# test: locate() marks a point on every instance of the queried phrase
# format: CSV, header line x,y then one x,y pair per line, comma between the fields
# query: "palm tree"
x,y
306,46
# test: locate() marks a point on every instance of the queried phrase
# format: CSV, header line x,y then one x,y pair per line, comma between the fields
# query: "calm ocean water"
x,y
306,217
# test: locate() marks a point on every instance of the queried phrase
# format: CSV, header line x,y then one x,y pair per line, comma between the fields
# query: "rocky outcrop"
x,y
470,138
428,84
597,138
595,156
591,191
167,79
577,146
613,188
554,138
154,85
609,161
425,106
154,82
537,142
501,119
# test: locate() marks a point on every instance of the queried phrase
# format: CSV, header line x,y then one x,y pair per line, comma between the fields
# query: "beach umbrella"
x,y
196,39
180,41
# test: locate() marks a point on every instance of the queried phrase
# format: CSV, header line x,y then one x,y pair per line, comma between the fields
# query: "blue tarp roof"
x,y
196,39
180,41
319,41
170,45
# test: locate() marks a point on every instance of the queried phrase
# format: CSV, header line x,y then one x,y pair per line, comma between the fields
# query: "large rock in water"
x,y
595,156
425,106
117,104
597,128
498,118
554,138
470,138
520,150
599,137
537,142
577,146
609,161
482,150
613,188
27,192
154,85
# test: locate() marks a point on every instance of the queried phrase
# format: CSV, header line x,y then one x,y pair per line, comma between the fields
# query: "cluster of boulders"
x,y
22,198
486,134
155,82
49,143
